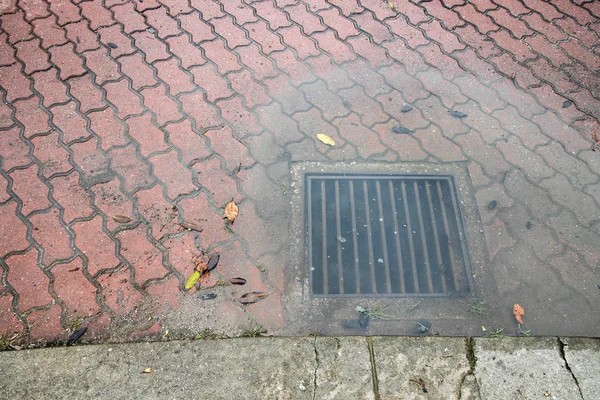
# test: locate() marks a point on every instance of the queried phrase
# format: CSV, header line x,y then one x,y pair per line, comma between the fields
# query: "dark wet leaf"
x,y
75,336
528,225
363,320
237,281
252,297
112,45
492,204
401,130
457,114
121,219
354,324
423,327
190,227
567,104
208,296
212,262
406,109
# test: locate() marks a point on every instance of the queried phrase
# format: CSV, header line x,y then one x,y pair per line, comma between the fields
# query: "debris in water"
x,y
567,104
326,139
190,227
406,109
402,130
208,296
423,327
237,281
458,114
492,204
363,320
231,211
121,219
75,336
252,297
518,312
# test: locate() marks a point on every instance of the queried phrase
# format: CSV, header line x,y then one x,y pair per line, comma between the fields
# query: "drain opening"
x,y
382,235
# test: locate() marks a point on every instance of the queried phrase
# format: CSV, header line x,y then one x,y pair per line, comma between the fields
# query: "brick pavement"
x,y
163,111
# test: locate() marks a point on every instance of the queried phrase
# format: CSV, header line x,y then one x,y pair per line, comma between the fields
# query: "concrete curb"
x,y
310,368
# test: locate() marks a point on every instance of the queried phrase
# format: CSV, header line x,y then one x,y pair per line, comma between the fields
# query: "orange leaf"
x,y
518,311
231,211
201,264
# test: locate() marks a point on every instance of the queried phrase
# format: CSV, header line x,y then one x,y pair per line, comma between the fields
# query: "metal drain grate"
x,y
382,235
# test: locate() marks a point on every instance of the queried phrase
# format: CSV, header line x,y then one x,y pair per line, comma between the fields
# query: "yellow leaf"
x,y
147,371
483,328
391,4
231,211
192,280
326,139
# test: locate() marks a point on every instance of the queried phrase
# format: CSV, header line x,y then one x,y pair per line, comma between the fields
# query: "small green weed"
x,y
477,307
497,333
374,312
208,334
254,330
523,332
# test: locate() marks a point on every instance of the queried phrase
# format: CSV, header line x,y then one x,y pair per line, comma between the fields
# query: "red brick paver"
x,y
162,112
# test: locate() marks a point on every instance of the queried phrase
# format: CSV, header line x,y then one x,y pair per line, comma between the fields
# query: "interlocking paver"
x,y
50,87
127,15
69,122
294,38
227,29
86,93
163,111
25,279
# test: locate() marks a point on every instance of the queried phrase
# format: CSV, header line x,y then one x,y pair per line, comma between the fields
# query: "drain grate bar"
x,y
381,235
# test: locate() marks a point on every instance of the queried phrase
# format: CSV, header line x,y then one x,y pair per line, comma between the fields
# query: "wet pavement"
x,y
121,121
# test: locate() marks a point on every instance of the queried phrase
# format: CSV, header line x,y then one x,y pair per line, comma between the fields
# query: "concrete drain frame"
x,y
307,311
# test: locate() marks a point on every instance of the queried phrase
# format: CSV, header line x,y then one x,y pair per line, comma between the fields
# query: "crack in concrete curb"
x,y
316,369
561,350
470,353
373,368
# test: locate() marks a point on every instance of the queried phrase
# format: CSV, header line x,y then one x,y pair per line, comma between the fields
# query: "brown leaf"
x,y
237,281
201,264
518,312
212,262
252,297
420,383
231,211
190,227
147,371
596,139
121,219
